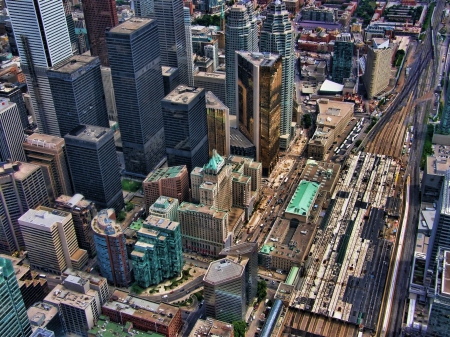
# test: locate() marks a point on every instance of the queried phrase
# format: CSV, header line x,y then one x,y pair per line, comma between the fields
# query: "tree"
x,y
239,328
261,292
135,288
307,121
358,142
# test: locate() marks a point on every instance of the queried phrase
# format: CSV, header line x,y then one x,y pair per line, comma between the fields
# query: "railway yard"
x,y
348,262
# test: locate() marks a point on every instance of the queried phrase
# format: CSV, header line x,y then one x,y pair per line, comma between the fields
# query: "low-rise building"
x,y
117,330
158,253
95,282
303,202
145,315
45,316
79,306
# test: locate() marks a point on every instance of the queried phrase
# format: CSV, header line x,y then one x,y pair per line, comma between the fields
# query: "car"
x,y
165,296
171,292
196,287
188,291
181,290
195,265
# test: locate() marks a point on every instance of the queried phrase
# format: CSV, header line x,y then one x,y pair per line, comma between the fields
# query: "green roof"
x,y
164,173
112,329
215,163
265,249
291,277
137,225
303,198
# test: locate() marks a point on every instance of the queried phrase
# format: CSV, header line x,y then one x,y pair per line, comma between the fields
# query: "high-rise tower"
x,y
11,135
277,36
172,39
77,91
99,15
184,114
188,34
240,34
42,37
93,165
22,186
144,8
14,320
342,58
134,45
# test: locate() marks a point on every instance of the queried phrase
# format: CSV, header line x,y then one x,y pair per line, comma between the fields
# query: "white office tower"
x,y
277,36
241,33
144,8
42,37
11,135
189,54
172,38
212,52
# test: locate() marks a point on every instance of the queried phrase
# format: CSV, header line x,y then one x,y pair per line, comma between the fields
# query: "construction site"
x,y
345,272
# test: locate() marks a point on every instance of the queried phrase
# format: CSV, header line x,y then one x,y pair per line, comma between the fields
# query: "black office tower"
x,y
185,122
94,166
77,91
133,50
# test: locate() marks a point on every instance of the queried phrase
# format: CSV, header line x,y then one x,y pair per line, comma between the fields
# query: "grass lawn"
x,y
131,185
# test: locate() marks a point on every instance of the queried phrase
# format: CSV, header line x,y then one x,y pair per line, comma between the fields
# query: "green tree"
x,y
307,121
135,288
239,328
261,292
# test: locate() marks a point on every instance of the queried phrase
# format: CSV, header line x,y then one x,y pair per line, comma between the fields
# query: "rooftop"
x,y
237,139
106,328
61,295
303,198
332,112
129,26
211,328
76,202
222,271
158,222
165,173
167,71
44,217
330,86
41,313
213,102
439,162
213,75
157,313
5,104
182,95
189,207
445,286
88,133
259,59
44,141
215,163
104,223
323,173
73,63
162,204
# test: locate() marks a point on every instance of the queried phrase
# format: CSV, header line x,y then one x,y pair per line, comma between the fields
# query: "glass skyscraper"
x,y
241,33
13,315
134,58
42,37
277,36
342,58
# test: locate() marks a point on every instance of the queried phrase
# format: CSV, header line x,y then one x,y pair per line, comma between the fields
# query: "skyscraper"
x,y
184,114
99,15
14,94
93,165
111,248
134,45
378,67
144,8
77,91
172,38
342,58
277,36
218,125
11,134
22,186
49,152
42,37
241,33
13,320
259,105
50,239
189,55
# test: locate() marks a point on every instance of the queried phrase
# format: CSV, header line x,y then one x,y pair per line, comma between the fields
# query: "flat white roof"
x,y
331,86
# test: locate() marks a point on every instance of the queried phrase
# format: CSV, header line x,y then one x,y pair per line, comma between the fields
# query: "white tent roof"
x,y
330,86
